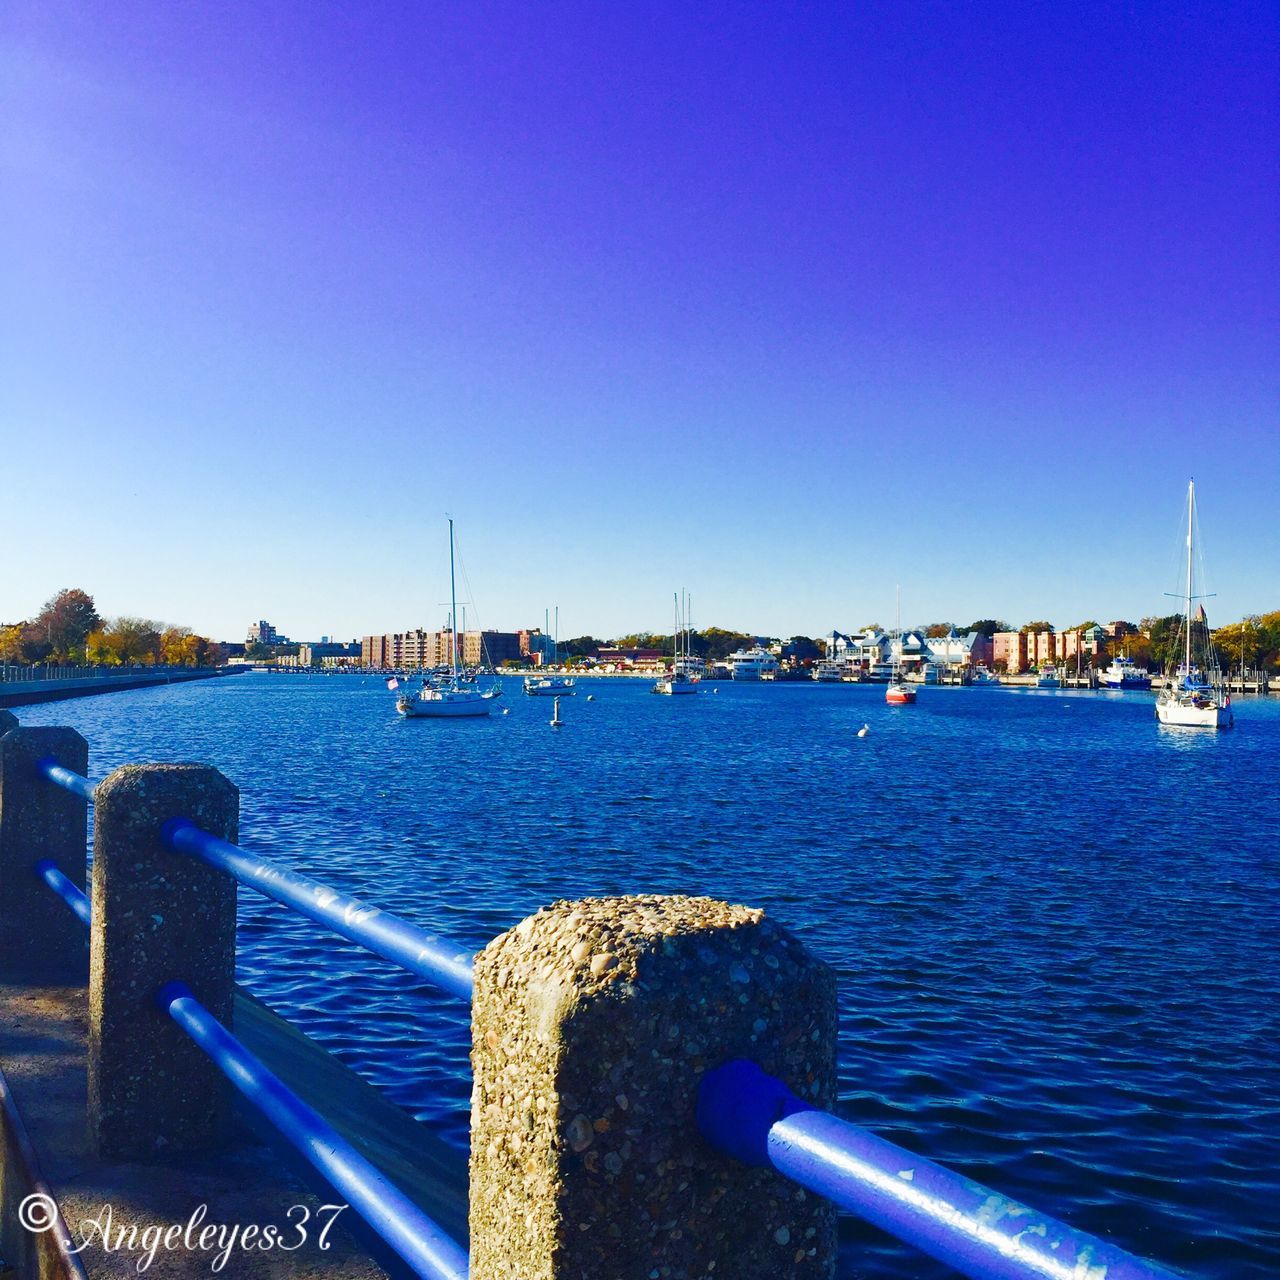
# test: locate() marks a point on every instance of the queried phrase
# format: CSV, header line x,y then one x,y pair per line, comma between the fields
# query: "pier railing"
x,y
654,1077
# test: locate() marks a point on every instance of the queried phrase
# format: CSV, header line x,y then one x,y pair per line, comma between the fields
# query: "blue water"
x,y
1054,922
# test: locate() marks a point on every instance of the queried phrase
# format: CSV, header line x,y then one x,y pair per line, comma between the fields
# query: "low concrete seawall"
x,y
26,693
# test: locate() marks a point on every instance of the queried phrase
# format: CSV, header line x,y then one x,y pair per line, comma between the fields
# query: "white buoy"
x,y
556,722
591,697
862,733
506,711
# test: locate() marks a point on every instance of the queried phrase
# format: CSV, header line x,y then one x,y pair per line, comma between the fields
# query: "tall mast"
x,y
1191,507
453,617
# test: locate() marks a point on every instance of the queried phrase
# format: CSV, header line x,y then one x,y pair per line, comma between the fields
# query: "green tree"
x,y
987,627
1035,626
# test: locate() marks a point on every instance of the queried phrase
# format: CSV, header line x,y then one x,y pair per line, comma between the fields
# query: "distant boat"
x,y
551,686
982,676
681,678
753,664
1048,678
828,671
452,694
1194,693
898,693
1124,673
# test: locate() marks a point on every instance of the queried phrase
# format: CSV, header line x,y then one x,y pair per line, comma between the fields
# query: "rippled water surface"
x,y
1055,923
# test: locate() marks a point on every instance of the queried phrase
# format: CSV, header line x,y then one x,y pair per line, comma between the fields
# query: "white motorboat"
x,y
755,663
1048,678
1195,695
454,694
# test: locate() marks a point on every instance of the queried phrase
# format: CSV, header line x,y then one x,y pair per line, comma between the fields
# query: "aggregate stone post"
x,y
592,1024
8,721
39,937
158,916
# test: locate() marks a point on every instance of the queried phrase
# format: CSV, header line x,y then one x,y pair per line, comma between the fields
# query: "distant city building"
x,y
262,632
1009,651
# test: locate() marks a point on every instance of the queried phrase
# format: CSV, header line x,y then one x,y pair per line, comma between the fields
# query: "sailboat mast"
x,y
453,616
1191,508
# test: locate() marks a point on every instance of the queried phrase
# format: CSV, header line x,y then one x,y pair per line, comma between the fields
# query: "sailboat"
x,y
898,693
682,678
1194,693
551,686
451,694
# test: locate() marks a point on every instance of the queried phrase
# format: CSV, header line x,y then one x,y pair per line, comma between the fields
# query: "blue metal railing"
x,y
417,1239
67,779
742,1111
74,897
752,1116
425,954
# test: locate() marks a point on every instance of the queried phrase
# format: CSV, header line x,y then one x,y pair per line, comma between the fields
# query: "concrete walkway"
x,y
43,1055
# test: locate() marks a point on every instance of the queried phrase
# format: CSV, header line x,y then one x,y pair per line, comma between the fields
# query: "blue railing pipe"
x,y
74,897
422,1244
67,779
752,1116
436,959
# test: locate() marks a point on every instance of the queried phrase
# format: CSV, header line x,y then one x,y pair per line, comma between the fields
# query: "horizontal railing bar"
x,y
67,779
74,897
748,1114
437,960
424,1246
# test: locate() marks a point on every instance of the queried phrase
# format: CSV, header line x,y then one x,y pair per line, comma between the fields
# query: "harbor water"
x,y
1054,922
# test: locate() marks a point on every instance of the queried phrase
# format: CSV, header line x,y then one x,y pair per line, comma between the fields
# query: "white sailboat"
x,y
452,694
898,693
681,679
550,686
1194,693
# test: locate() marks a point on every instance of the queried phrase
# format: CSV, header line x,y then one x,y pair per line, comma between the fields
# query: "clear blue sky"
x,y
782,303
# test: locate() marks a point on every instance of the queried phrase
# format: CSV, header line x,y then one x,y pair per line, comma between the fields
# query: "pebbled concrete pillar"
x,y
8,721
40,937
592,1024
157,916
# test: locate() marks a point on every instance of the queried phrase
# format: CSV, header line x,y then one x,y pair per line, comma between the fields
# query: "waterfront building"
x,y
1009,651
329,655
411,650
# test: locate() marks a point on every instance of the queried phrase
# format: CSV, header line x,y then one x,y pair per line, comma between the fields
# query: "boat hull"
x,y
443,708
898,696
674,687
1189,716
565,690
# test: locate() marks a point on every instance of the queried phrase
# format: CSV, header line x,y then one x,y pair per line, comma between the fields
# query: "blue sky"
x,y
783,304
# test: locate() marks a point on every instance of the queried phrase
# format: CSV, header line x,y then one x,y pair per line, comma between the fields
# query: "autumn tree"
x,y
65,623
936,630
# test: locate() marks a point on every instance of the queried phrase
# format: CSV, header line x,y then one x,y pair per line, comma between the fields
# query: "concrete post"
x,y
592,1024
8,721
157,916
39,937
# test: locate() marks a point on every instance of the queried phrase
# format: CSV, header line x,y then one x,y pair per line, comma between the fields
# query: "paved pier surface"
x,y
43,1047
26,693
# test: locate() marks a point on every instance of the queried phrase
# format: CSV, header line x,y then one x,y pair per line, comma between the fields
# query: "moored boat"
x,y
1194,695
453,694
1124,673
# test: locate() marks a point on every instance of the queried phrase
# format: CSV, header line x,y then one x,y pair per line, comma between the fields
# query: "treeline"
x,y
69,630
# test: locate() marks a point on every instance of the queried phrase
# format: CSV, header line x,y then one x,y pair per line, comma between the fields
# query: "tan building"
x,y
1009,651
411,650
